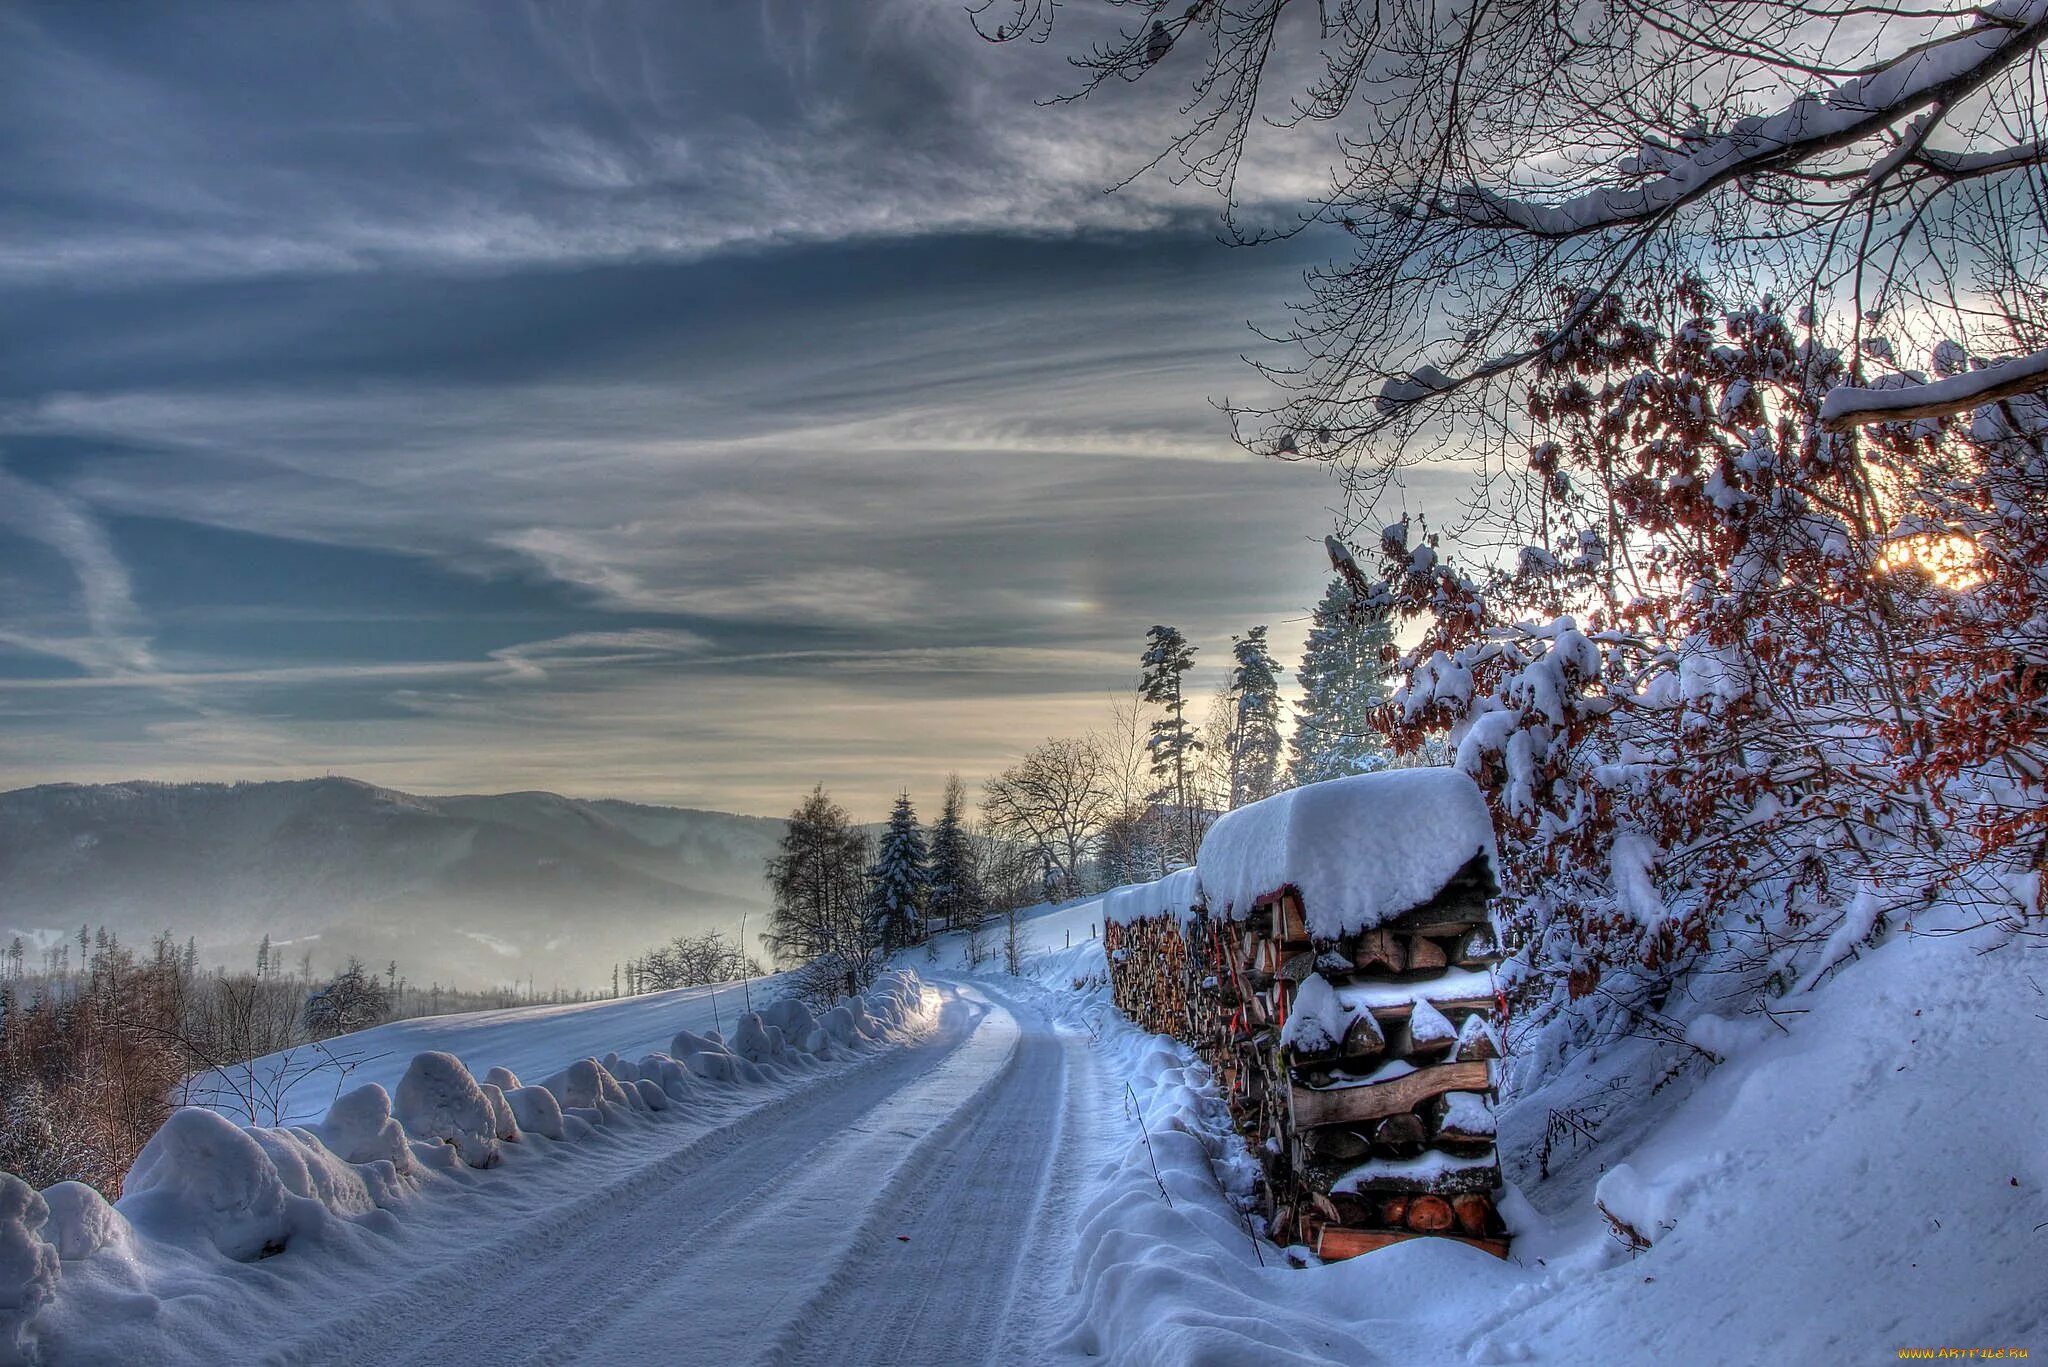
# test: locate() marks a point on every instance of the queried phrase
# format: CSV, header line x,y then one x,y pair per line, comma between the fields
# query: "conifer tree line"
x,y
1078,814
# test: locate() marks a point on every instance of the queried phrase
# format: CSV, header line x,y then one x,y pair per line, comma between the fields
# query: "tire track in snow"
x,y
930,1276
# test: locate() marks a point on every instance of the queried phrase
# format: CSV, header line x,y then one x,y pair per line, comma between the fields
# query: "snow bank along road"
x,y
916,1206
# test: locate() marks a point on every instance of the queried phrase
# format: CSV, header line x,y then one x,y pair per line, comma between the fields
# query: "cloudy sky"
x,y
679,402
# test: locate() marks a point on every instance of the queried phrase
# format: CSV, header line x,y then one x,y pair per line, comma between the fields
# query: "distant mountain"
x,y
471,890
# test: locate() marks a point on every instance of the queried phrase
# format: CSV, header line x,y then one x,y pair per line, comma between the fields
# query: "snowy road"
x,y
914,1208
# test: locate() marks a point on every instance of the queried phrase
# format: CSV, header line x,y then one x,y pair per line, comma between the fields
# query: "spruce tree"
x,y
1343,679
955,890
1255,719
1173,745
898,880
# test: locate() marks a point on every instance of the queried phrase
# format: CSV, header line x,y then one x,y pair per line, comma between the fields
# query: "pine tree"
x,y
1255,719
263,958
1343,679
898,882
955,892
1173,745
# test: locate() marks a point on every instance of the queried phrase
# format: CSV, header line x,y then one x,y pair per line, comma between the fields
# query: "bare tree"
x,y
816,877
1504,167
694,961
1132,846
1055,801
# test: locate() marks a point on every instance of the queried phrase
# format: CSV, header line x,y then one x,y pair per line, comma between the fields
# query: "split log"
x,y
1334,1144
1425,953
1427,1034
1477,1040
1480,949
1474,1214
1400,1136
1298,966
1379,952
1289,924
1430,1215
1364,1038
1372,1100
1461,1124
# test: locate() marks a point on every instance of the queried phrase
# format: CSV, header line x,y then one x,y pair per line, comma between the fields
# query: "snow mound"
x,y
1359,851
438,1099
536,1111
28,1262
1178,895
309,1170
81,1222
501,1112
754,1041
360,1129
791,1017
206,1188
202,1176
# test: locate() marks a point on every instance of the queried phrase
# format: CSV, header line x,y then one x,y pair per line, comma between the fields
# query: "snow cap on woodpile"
x,y
1176,895
1358,851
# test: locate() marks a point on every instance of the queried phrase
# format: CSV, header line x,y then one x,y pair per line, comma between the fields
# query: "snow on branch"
x,y
1848,407
1937,73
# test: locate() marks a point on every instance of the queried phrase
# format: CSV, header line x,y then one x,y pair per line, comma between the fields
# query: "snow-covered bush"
x,y
1728,708
438,1099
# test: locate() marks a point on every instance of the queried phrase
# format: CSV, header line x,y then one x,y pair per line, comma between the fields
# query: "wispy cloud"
x,y
114,642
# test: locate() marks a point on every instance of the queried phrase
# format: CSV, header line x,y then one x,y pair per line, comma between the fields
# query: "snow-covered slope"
x,y
471,890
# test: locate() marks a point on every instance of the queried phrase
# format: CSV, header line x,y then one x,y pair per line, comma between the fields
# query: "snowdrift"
x,y
208,1188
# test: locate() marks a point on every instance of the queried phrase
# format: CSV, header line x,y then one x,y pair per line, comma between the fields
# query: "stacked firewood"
x,y
1361,1070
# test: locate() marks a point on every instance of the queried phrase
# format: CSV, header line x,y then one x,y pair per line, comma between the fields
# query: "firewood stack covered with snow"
x,y
1331,959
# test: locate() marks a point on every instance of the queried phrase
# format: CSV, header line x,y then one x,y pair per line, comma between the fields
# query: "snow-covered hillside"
x,y
469,890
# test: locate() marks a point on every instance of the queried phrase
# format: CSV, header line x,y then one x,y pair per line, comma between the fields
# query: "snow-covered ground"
x,y
1016,1174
